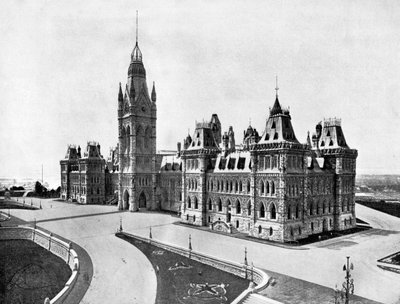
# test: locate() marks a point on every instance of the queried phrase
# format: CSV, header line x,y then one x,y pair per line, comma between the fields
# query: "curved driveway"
x,y
123,275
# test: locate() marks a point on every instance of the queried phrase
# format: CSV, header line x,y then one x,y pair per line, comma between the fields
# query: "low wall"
x,y
54,245
385,263
260,279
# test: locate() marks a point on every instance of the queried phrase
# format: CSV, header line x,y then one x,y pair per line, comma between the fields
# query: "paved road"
x,y
123,275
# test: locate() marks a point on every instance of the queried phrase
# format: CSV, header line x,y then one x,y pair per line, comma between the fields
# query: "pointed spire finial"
x,y
276,86
249,121
137,27
153,93
120,96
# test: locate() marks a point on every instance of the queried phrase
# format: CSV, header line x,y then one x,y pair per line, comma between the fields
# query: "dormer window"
x,y
331,143
322,143
276,136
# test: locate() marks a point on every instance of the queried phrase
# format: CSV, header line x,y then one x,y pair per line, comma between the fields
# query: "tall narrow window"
x,y
273,211
262,210
219,205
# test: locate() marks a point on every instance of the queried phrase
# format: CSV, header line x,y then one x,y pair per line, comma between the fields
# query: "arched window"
x,y
262,187
147,138
196,203
139,137
240,186
219,205
259,229
262,210
248,208
218,185
267,187
348,205
187,217
297,211
271,231
343,204
248,186
128,139
238,209
311,208
226,186
237,223
272,188
194,218
273,211
323,207
236,186
189,203
209,204
289,212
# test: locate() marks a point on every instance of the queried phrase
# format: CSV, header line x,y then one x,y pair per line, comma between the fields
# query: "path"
x,y
122,274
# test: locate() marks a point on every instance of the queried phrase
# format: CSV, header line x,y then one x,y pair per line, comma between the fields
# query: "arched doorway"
x,y
126,200
142,200
325,225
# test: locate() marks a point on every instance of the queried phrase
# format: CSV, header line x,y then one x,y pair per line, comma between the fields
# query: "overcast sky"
x,y
61,62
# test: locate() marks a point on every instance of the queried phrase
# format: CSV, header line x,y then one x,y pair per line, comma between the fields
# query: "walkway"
x,y
122,274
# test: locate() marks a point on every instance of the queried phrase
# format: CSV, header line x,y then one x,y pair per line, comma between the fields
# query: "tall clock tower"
x,y
137,116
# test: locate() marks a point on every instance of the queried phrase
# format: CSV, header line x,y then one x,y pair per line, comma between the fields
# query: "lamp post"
x,y
348,285
245,262
190,246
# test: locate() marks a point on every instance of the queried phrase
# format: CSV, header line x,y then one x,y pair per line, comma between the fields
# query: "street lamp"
x,y
120,224
348,285
245,261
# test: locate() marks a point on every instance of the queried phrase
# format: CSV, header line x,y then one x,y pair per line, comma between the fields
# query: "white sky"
x,y
61,62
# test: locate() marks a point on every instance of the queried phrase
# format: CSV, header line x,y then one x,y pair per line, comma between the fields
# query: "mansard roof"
x,y
332,136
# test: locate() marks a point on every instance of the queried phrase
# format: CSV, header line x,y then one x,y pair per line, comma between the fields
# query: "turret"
x,y
120,101
153,93
231,139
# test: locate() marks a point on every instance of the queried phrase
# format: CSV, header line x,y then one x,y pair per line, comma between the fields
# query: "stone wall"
x,y
54,245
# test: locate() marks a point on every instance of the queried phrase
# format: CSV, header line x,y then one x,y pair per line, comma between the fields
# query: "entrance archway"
x,y
126,200
325,225
142,200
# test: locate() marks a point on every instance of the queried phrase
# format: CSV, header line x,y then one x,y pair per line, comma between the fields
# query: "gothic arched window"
x,y
262,210
273,211
238,209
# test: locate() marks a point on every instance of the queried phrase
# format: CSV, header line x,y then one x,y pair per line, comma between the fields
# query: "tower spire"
x,y
276,86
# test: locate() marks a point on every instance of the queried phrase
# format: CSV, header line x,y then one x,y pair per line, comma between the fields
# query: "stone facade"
x,y
269,186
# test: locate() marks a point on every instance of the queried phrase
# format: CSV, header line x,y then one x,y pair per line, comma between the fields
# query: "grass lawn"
x,y
182,280
29,273
389,208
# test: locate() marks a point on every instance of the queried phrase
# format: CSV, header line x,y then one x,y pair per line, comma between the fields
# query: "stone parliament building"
x,y
269,186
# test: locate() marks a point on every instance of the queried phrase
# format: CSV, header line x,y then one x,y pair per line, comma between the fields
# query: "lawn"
x,y
389,208
183,280
29,273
